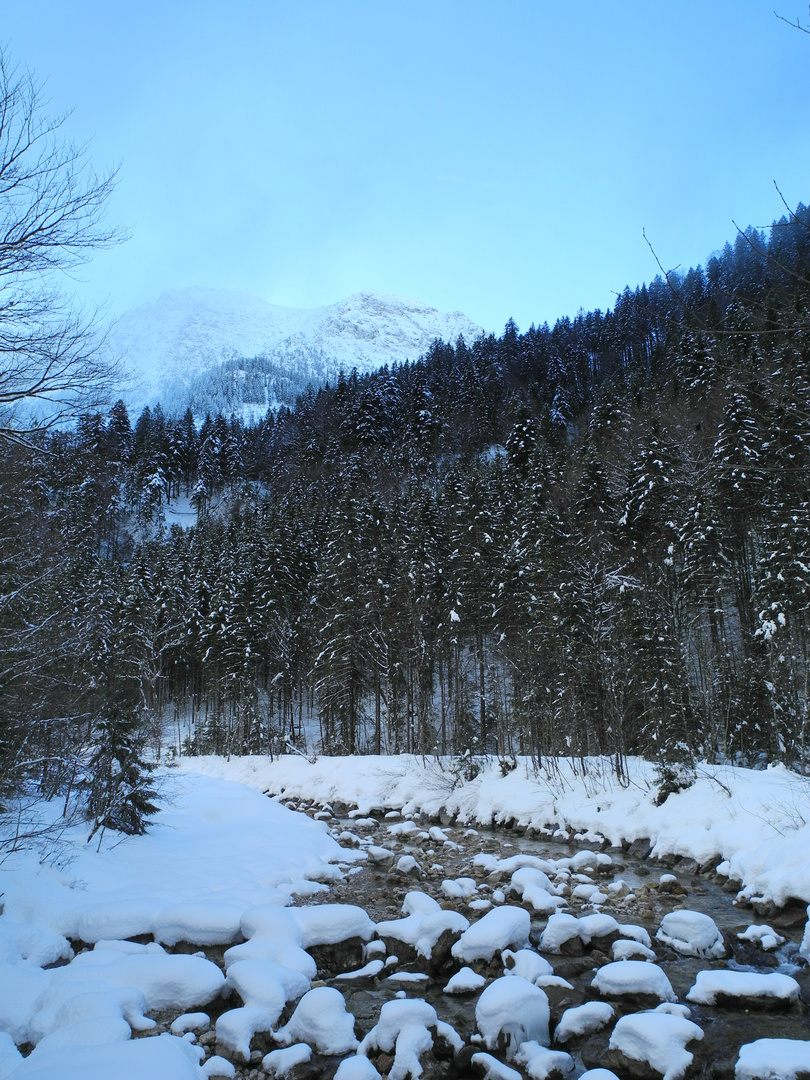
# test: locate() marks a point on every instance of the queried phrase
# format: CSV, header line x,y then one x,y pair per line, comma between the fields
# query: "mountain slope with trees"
x,y
591,538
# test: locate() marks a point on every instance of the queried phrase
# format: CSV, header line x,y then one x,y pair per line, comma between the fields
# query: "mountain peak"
x,y
171,344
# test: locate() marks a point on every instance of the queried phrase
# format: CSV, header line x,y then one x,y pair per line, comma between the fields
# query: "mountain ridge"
x,y
179,343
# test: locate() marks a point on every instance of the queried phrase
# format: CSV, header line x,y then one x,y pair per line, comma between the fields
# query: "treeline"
x,y
591,538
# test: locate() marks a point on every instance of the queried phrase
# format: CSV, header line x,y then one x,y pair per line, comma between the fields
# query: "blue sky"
x,y
495,158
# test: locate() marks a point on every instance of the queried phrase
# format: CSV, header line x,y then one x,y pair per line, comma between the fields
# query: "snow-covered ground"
x,y
754,826
222,865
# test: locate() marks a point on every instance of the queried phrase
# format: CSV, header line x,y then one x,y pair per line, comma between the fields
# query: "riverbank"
x,y
751,826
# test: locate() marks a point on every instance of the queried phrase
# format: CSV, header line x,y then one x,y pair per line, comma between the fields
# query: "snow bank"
x,y
758,823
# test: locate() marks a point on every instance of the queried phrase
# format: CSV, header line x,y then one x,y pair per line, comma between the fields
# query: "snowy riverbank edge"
x,y
754,826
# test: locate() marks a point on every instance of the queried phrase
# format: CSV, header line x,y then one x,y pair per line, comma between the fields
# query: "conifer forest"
x,y
590,538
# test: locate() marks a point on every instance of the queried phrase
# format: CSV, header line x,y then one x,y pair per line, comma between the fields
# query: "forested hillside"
x,y
586,538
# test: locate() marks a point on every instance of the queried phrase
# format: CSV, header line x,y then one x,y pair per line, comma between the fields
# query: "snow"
x,y
424,923
493,1069
709,985
196,1021
541,1062
189,330
404,1026
356,1068
266,984
514,1008
236,1028
494,932
756,822
163,1058
218,1066
465,981
527,964
691,933
328,924
773,1059
280,1062
657,1038
582,1020
321,1019
804,948
763,935
633,977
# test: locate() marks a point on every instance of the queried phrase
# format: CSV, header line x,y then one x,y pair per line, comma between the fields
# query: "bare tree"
x,y
53,361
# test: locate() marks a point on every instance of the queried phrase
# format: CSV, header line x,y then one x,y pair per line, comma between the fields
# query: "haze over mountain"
x,y
230,352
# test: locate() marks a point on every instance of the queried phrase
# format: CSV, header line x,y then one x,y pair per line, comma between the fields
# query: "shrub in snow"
x,y
773,1059
405,1027
691,933
659,1039
583,1020
636,977
280,1062
510,1011
497,930
321,1019
726,987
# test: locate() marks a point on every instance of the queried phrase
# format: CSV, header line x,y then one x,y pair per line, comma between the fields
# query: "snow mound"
x,y
328,924
773,1059
526,964
465,981
163,1058
514,1011
633,977
266,984
540,1062
282,1061
321,1019
691,933
494,932
659,1039
713,985
582,1020
424,923
236,1028
763,935
405,1026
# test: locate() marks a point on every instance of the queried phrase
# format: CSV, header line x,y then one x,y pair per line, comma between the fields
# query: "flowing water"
x,y
380,889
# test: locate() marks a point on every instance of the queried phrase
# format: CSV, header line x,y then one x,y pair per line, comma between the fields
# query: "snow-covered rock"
x,y
282,1061
511,1011
497,930
742,988
405,1027
321,1020
465,981
691,933
236,1027
541,1063
636,978
762,935
773,1059
526,964
424,923
583,1020
657,1038
329,924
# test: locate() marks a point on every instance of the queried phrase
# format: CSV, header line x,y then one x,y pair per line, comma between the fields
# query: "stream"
x,y
639,891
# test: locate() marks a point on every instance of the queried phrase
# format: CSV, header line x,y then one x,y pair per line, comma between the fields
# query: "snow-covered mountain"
x,y
226,350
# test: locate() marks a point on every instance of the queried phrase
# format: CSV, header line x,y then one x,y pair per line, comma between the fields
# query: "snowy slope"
x,y
186,332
